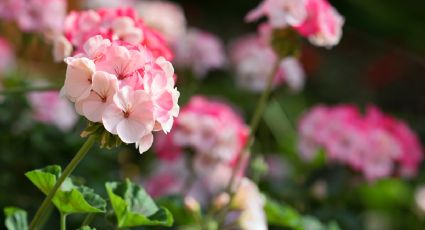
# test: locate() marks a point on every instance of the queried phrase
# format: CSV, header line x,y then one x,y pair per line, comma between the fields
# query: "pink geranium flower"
x,y
50,108
375,144
130,116
120,24
316,20
200,51
104,87
124,87
44,16
254,59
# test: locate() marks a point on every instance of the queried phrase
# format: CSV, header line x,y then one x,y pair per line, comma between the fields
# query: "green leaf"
x,y
134,207
86,228
286,216
281,215
16,218
69,198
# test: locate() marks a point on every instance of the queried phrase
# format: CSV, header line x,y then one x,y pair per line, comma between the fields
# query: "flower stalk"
x,y
245,153
41,212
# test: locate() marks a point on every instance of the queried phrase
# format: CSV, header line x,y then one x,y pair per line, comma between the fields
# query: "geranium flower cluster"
x,y
125,87
253,59
198,157
121,24
375,144
315,19
200,129
50,108
45,16
200,51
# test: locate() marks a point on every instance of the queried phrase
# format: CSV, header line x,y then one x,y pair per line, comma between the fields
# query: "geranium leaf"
x,y
16,218
134,207
69,198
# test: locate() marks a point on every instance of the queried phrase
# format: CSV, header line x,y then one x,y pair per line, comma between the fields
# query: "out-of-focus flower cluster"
x,y
7,57
120,24
200,129
315,19
375,144
198,156
254,59
43,16
124,86
50,108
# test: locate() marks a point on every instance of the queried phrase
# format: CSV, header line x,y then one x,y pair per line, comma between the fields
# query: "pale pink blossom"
x,y
375,144
7,56
200,51
130,116
250,202
200,126
9,9
167,178
45,16
280,13
121,24
199,130
78,80
62,48
254,60
420,198
49,107
104,87
316,20
167,17
158,82
124,87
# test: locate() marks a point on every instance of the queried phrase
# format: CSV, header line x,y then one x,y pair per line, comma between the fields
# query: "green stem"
x,y
30,89
63,221
68,170
89,218
245,154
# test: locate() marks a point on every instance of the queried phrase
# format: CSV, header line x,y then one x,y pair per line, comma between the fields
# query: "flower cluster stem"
x,y
245,153
63,221
68,170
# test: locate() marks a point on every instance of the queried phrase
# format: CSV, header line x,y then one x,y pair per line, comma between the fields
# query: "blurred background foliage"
x,y
380,60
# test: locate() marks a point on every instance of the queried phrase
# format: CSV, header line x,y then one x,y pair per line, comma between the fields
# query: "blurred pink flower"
x,y
254,59
165,16
375,144
45,16
120,24
323,25
280,13
199,51
200,126
49,107
7,56
250,202
124,87
316,20
199,131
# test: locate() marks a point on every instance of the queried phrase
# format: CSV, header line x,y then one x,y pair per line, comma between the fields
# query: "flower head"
x,y
124,87
200,51
316,20
375,144
120,24
254,60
